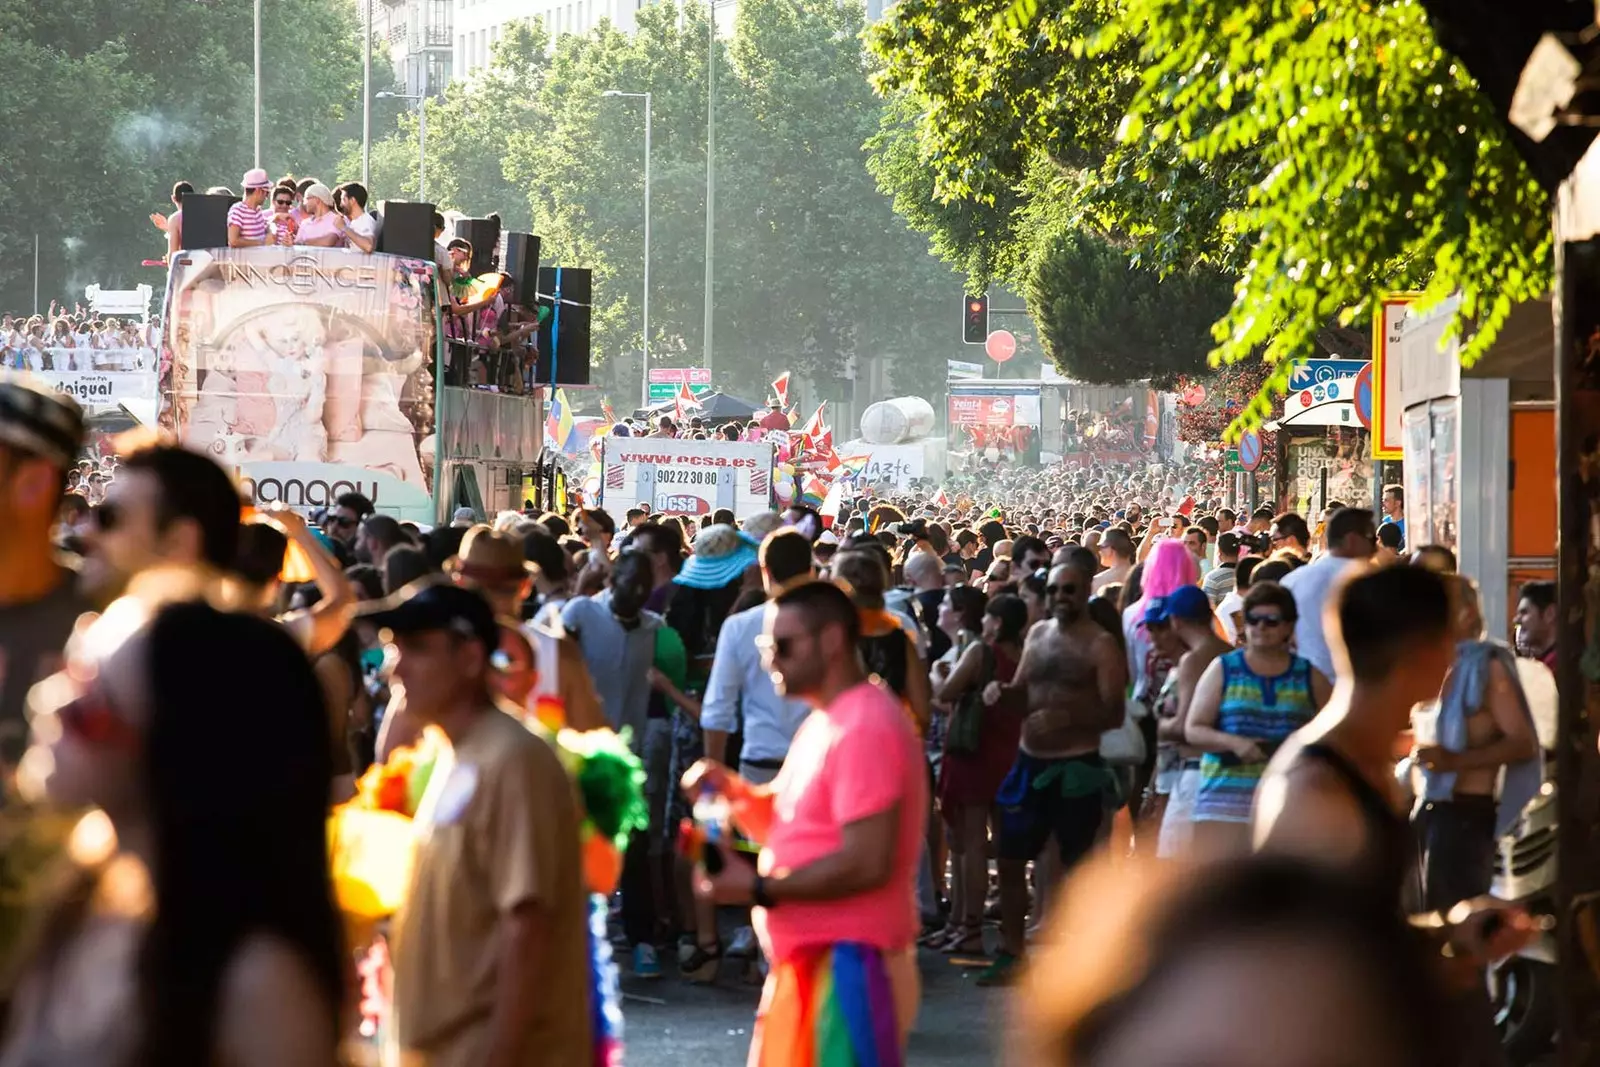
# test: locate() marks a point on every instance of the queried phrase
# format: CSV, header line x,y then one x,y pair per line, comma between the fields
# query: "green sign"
x,y
1230,462
662,391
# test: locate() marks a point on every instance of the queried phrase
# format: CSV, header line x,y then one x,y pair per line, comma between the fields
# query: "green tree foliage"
x,y
107,104
1319,155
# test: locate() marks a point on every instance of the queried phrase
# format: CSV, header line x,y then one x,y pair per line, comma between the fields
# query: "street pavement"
x,y
682,1025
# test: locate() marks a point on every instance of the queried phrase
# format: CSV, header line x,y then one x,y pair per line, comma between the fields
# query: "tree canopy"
x,y
107,104
1317,155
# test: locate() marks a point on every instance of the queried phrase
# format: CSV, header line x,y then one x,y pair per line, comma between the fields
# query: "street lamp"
x,y
644,370
711,156
256,43
422,135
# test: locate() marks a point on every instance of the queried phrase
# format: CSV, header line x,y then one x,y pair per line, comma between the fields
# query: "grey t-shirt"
x,y
32,636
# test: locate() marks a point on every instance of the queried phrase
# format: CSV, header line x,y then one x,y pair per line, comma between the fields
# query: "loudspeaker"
x,y
205,220
522,263
564,336
407,230
485,237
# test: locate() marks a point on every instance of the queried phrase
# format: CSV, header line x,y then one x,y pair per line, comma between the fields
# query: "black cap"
x,y
1228,543
39,420
435,603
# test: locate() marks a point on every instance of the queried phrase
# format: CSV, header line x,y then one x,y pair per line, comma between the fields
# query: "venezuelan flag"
x,y
558,428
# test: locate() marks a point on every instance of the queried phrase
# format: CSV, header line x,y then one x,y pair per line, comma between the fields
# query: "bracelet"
x,y
759,894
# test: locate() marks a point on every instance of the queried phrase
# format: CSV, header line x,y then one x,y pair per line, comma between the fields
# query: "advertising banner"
x,y
687,477
1004,409
304,369
104,390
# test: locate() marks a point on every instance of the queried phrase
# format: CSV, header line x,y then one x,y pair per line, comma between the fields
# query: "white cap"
x,y
463,515
828,538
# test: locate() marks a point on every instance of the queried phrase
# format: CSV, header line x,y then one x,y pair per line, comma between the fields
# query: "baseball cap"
x,y
38,420
1186,602
435,603
256,178
464,516
320,192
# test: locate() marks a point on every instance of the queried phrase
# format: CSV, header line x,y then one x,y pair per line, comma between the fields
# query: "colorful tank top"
x,y
1266,710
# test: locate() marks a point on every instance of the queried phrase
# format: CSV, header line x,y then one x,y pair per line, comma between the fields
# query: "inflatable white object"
x,y
893,422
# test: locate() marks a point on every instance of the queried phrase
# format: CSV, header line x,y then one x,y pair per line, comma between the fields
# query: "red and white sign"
x,y
982,410
1387,326
686,477
1001,345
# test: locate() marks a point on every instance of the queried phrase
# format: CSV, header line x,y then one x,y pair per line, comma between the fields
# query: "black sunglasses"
x,y
1264,620
780,647
1062,590
340,521
107,516
284,203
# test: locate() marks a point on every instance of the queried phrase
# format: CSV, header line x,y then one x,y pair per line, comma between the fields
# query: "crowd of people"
x,y
841,727
75,340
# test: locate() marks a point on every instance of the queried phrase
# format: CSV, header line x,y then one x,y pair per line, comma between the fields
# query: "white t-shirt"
x,y
1313,586
1229,606
365,227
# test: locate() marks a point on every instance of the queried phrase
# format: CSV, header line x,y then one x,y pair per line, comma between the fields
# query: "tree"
x,y
109,103
1322,155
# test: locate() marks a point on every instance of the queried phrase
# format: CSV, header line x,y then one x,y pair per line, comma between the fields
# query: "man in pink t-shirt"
x,y
840,831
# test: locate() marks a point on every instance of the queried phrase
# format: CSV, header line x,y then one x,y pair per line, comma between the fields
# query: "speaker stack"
x,y
407,229
485,237
205,220
564,336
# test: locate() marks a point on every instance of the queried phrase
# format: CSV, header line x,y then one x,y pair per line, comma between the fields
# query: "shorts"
x,y
1041,798
1177,825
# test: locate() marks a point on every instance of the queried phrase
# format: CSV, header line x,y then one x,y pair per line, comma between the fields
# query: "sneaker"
x,y
645,964
744,943
1003,971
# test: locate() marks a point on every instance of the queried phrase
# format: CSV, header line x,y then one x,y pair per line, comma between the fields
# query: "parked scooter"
x,y
1522,988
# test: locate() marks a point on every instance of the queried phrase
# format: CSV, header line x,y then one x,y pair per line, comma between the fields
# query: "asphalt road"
x,y
682,1025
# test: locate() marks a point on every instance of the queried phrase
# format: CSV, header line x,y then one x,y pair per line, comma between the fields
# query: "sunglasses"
x,y
284,203
1263,620
107,517
1062,590
340,521
90,717
776,647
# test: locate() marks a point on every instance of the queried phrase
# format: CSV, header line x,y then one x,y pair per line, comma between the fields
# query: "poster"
x,y
306,371
1342,455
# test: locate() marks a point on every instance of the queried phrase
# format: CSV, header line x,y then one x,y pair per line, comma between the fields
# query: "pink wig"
x,y
1168,568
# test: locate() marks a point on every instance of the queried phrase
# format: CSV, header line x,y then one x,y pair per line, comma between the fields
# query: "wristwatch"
x,y
759,894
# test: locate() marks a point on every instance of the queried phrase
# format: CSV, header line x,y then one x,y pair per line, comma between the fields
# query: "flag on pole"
x,y
814,428
780,388
941,499
686,396
558,426
605,409
832,503
855,464
814,492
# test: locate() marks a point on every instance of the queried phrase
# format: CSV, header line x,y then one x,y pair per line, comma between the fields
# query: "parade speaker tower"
x,y
205,220
564,335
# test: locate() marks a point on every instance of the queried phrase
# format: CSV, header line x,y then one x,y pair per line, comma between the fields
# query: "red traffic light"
x,y
975,306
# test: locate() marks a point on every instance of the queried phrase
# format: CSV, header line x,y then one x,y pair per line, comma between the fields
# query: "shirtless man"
x,y
1330,795
1483,725
1069,685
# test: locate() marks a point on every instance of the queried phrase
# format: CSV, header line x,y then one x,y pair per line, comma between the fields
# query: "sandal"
x,y
937,938
964,941
700,966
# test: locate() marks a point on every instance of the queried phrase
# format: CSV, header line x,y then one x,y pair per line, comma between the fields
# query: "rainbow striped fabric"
x,y
830,1007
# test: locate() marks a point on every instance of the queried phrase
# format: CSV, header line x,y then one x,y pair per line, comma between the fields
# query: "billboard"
x,y
306,370
687,477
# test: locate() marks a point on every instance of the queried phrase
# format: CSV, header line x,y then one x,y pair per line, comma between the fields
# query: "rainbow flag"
x,y
833,1006
854,465
814,492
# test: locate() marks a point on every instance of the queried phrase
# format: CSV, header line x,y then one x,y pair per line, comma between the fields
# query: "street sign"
x,y
960,368
660,391
1250,451
1230,462
1001,345
1364,396
665,382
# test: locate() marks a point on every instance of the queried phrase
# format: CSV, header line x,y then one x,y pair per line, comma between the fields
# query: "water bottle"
x,y
711,812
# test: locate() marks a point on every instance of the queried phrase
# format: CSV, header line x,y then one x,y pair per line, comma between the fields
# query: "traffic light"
x,y
975,322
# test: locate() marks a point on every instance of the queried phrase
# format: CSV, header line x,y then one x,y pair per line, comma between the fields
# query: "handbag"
x,y
966,721
1123,746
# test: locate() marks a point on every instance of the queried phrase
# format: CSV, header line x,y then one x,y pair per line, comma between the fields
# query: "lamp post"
x,y
257,49
644,369
366,103
422,135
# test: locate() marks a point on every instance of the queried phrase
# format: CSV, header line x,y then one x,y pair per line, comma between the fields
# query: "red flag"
x,y
814,428
686,396
940,499
780,387
611,416
677,409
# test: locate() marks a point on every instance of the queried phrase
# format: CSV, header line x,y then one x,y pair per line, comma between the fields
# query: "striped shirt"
x,y
1266,710
251,222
